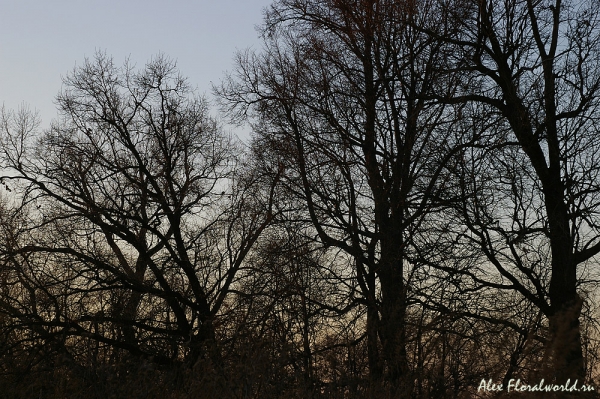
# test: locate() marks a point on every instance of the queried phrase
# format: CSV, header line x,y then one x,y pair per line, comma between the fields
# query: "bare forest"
x,y
416,214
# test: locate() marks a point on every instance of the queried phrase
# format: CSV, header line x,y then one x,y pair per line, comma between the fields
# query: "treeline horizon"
x,y
417,211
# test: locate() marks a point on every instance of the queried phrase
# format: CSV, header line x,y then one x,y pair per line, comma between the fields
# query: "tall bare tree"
x,y
338,96
533,212
139,215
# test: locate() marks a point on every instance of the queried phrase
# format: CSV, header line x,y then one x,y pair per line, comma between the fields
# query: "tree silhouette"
x,y
129,241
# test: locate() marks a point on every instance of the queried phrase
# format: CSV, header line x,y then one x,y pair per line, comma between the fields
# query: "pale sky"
x,y
42,40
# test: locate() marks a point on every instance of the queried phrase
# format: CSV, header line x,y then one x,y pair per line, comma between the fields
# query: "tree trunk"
x,y
565,341
393,312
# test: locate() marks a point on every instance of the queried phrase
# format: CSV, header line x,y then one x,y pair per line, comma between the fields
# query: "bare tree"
x,y
139,215
339,97
533,208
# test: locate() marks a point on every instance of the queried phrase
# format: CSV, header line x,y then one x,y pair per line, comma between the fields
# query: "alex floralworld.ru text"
x,y
516,386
